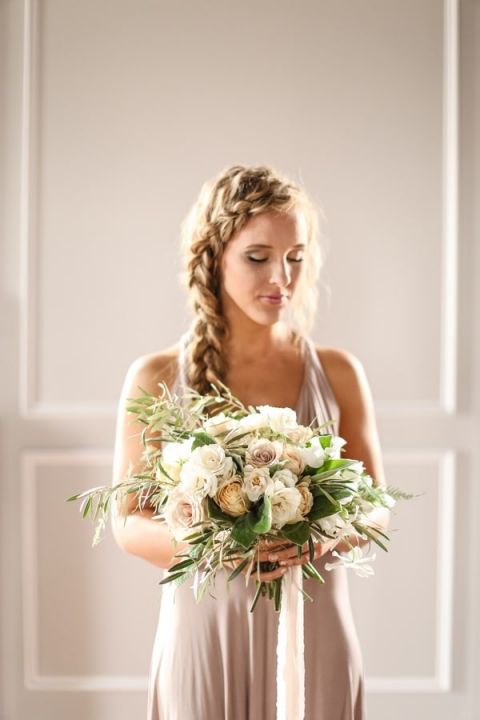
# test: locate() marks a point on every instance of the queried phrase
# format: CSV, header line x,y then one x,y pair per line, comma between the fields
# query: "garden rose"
x,y
263,452
306,501
231,497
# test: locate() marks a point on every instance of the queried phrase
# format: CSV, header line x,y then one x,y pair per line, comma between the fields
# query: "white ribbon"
x,y
290,648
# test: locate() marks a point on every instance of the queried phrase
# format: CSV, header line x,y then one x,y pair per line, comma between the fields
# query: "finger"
x,y
265,575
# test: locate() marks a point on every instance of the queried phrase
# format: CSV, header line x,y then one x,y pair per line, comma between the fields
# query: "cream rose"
x,y
263,452
256,481
231,497
285,503
293,459
181,511
300,435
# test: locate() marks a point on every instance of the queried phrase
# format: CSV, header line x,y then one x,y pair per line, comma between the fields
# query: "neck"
x,y
250,341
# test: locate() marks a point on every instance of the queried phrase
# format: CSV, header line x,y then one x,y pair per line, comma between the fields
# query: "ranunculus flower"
x,y
231,497
285,503
293,458
256,480
181,511
263,452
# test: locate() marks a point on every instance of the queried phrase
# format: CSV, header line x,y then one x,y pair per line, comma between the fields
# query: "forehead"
x,y
273,228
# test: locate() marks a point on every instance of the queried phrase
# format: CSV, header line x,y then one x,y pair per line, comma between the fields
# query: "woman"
x,y
252,259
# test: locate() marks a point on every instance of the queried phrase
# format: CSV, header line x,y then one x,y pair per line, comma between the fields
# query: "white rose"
x,y
280,419
220,424
286,477
256,480
293,459
212,458
254,421
314,456
285,503
181,511
176,452
198,481
263,452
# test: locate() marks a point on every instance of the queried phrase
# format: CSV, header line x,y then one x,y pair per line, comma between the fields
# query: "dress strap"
x,y
319,391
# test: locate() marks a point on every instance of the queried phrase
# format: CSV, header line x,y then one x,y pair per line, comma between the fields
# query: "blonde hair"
x,y
223,207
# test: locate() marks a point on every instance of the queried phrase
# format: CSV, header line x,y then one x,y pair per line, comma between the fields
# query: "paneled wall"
x,y
115,112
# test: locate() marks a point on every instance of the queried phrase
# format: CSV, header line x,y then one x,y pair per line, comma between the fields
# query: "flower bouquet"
x,y
229,479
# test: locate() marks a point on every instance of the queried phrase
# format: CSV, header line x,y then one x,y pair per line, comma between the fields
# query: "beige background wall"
x,y
113,114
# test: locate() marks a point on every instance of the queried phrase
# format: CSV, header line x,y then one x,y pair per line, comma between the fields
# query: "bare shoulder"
x,y
147,371
344,371
347,377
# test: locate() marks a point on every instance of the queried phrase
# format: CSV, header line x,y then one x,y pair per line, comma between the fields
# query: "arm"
x,y
358,425
134,530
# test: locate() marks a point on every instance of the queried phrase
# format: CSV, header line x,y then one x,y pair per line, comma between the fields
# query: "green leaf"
x,y
263,518
238,569
202,438
297,533
322,507
242,530
217,513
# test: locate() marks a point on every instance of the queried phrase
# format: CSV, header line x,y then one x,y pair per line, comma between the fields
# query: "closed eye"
x,y
262,260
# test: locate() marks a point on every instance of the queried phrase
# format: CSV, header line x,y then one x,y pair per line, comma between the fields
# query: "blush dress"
x,y
216,660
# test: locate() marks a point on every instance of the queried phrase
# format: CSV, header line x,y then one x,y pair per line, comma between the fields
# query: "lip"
x,y
274,299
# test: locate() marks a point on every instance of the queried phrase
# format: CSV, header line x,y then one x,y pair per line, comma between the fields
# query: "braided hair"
x,y
224,206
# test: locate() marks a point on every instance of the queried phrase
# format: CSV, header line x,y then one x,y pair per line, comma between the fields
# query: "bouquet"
x,y
229,479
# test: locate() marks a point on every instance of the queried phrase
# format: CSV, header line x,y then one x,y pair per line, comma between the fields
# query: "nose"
x,y
281,273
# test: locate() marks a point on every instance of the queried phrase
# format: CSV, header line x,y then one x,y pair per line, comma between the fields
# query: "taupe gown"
x,y
216,660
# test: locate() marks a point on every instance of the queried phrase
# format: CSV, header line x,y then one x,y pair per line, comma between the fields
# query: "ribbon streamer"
x,y
290,648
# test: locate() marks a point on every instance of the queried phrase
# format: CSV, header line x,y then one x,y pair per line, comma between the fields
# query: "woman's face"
x,y
261,266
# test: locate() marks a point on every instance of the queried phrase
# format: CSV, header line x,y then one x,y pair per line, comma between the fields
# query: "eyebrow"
x,y
260,245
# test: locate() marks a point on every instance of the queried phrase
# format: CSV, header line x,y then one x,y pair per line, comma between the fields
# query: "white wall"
x,y
113,114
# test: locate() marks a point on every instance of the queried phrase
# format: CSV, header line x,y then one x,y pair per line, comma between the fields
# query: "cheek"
x,y
239,278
